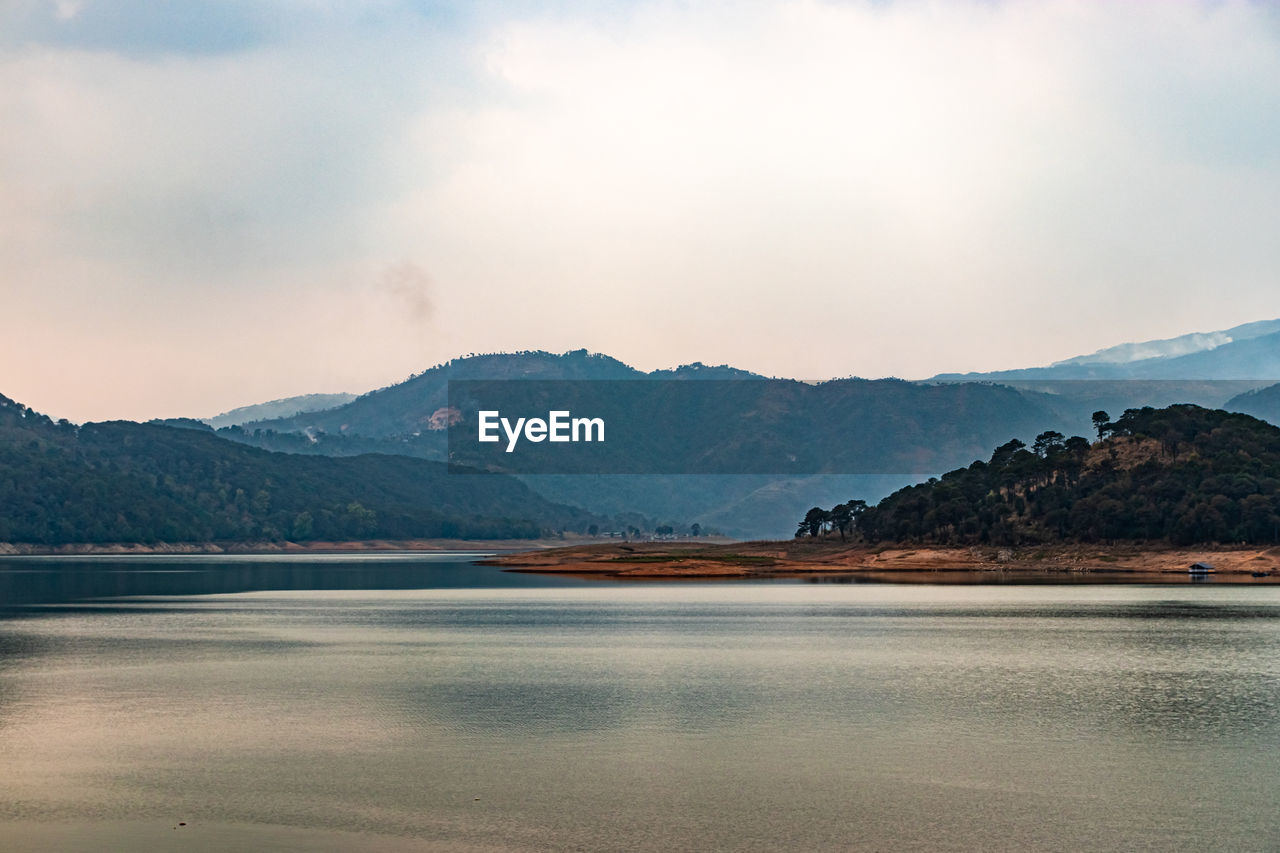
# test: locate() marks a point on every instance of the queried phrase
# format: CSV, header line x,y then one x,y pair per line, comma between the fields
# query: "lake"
x,y
410,702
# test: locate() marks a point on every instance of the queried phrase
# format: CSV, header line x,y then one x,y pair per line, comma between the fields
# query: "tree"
x,y
1102,423
1047,443
814,519
1006,452
857,508
358,520
1075,449
302,525
842,518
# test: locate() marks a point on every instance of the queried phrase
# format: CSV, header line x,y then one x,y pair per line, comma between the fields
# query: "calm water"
x,y
403,703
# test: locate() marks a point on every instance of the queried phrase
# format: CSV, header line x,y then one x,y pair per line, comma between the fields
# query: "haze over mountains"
x,y
1246,352
1174,347
1225,369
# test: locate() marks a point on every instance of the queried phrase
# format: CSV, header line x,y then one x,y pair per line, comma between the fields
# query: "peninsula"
x,y
1160,491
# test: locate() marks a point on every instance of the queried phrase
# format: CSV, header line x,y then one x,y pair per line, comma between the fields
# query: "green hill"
x,y
1179,475
128,482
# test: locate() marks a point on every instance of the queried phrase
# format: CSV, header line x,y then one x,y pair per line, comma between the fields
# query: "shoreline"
x,y
835,562
820,561
426,546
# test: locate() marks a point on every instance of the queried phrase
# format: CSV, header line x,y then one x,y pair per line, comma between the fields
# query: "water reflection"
x,y
48,580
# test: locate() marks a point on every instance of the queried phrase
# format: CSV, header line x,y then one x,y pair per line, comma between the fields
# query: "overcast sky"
x,y
204,205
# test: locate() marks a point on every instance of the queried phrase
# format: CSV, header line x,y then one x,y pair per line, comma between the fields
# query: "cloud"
x,y
800,188
963,172
137,27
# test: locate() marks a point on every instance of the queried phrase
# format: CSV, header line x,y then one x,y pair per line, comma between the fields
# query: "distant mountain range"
x,y
850,438
862,436
1213,369
1250,352
1228,369
1206,368
1195,342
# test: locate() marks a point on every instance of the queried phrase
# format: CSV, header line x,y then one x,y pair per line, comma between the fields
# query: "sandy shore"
x,y
831,560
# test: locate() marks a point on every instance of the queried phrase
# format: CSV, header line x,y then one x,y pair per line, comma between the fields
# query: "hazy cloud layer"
x,y
208,204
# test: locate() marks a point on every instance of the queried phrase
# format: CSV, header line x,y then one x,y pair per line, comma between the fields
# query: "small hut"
x,y
1200,568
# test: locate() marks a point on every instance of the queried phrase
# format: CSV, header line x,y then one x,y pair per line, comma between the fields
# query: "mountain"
x,y
761,426
1263,403
850,438
1253,359
733,421
128,482
286,408
406,408
1247,353
1174,347
762,447
1180,475
1205,368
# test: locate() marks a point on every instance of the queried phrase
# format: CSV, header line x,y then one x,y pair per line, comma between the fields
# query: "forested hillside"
x,y
129,482
1180,475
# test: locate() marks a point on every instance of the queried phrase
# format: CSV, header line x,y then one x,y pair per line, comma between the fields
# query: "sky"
x,y
210,204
